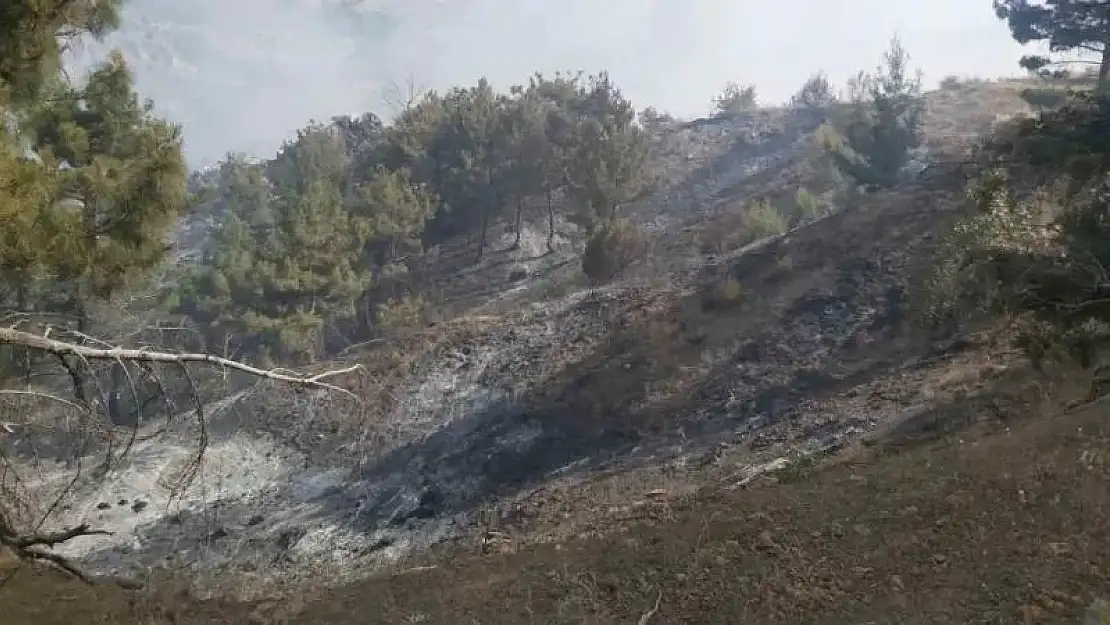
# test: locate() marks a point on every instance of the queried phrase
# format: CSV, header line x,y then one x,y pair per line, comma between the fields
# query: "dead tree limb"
x,y
27,340
34,547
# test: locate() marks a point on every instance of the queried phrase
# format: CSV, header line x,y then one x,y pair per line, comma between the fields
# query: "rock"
x,y
765,540
495,542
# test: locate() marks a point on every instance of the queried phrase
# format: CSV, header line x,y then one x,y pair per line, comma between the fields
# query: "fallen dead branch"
x,y
34,547
650,613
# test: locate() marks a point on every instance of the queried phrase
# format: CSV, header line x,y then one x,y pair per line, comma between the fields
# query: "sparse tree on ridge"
x,y
816,94
608,166
735,99
884,123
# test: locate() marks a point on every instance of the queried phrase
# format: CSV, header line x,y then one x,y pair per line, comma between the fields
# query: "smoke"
x,y
243,75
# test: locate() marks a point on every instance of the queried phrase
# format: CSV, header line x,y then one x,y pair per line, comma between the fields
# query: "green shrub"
x,y
614,247
400,312
727,293
884,123
1044,99
806,205
762,220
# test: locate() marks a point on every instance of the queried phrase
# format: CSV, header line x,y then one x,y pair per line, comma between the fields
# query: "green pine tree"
x,y
607,167
885,122
1081,26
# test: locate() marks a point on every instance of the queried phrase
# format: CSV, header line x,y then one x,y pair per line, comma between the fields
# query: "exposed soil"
x,y
1008,527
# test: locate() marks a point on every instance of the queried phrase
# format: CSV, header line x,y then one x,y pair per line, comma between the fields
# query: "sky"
x,y
242,76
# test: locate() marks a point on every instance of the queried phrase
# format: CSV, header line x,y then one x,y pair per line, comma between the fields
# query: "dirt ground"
x,y
1012,527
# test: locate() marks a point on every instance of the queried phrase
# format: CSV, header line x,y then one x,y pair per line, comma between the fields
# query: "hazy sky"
x,y
254,70
676,54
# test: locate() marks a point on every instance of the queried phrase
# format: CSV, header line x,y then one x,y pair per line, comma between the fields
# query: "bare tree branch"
x,y
400,99
646,616
19,338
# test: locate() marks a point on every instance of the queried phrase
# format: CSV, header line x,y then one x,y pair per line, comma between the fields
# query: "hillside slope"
x,y
1005,528
542,412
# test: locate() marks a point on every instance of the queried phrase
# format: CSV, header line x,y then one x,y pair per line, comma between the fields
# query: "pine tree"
x,y
221,291
525,150
884,124
315,276
288,258
1080,26
389,213
608,164
105,182
33,36
468,161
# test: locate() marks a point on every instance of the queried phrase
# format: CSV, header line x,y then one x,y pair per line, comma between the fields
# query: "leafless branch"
x,y
33,546
398,98
19,338
650,613
42,395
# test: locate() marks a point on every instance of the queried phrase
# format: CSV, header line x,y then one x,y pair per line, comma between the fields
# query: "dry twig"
x,y
19,338
650,613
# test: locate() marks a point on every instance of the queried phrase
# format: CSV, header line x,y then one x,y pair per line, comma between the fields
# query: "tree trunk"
x,y
516,225
482,235
1104,70
550,222
365,313
115,396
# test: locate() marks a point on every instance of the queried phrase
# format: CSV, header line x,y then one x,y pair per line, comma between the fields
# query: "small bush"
x,y
785,262
762,220
1044,99
612,249
725,294
800,466
806,205
1098,613
400,312
951,82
